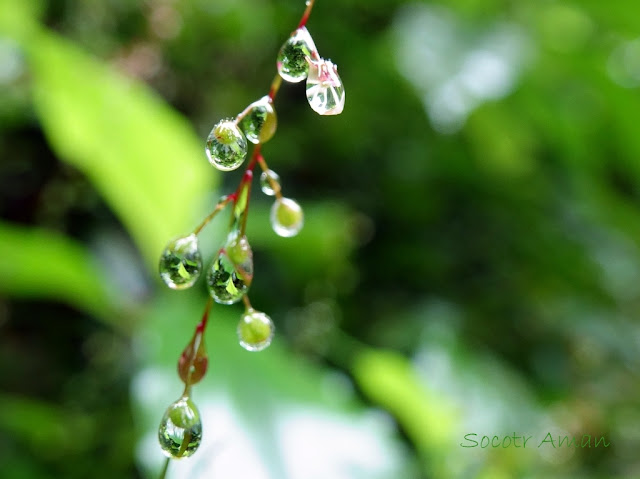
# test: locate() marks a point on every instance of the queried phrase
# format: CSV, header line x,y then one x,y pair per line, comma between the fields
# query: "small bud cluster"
x,y
230,273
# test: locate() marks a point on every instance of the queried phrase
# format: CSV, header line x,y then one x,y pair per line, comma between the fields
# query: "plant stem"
x,y
275,86
307,12
274,186
247,303
163,473
221,204
205,317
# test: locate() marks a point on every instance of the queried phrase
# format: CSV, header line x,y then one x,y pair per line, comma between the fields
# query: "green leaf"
x,y
388,379
42,264
141,155
18,18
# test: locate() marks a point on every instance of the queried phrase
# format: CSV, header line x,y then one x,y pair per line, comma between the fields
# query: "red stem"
x,y
307,12
202,325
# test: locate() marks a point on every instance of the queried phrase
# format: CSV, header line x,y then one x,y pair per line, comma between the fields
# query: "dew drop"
x,y
255,330
287,217
260,123
325,91
180,431
231,273
181,262
226,146
270,182
292,59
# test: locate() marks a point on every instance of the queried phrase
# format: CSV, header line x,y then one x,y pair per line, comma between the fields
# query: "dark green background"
x,y
472,273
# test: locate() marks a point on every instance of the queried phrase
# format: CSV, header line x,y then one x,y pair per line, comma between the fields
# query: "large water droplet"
x,y
292,59
181,262
180,431
231,273
226,146
259,124
255,330
325,91
270,182
287,217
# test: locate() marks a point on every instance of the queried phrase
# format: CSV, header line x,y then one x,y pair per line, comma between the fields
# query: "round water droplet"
x,y
293,57
231,273
180,431
255,330
325,91
226,146
287,218
181,262
269,182
259,125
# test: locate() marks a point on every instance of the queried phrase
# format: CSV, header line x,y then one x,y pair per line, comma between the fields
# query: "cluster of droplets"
x,y
230,273
298,60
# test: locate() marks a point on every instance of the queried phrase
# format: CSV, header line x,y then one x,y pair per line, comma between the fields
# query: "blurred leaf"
x,y
387,379
39,424
42,264
138,152
18,18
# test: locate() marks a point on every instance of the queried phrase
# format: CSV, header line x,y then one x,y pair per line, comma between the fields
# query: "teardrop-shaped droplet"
x,y
181,262
270,182
180,431
255,330
226,146
292,59
231,273
260,123
325,91
287,217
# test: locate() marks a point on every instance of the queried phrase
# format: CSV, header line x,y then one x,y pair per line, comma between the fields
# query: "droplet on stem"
x,y
181,262
260,123
270,182
293,57
180,431
325,91
231,273
287,217
255,330
226,146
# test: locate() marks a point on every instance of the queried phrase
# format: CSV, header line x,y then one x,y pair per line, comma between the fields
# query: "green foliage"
x,y
478,275
41,264
139,154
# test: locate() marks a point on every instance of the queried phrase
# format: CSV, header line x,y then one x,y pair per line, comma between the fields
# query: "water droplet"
x,y
226,146
193,362
181,262
231,273
325,91
180,431
255,330
292,59
270,182
259,125
287,217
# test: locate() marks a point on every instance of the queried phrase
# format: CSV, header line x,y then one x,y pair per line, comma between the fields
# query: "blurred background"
x,y
470,262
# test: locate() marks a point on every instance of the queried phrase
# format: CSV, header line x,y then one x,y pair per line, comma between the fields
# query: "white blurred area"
x,y
302,441
453,68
